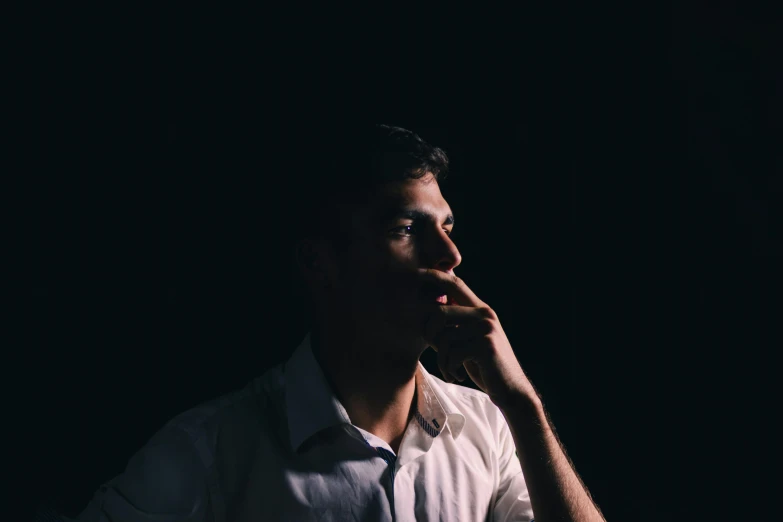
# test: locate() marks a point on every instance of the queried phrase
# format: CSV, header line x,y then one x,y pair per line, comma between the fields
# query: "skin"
x,y
369,337
372,325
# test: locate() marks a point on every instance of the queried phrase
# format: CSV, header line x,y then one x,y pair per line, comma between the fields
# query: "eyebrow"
x,y
414,215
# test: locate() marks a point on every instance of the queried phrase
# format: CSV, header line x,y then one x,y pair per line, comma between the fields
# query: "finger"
x,y
461,373
445,317
474,372
458,355
460,333
450,359
452,351
452,285
456,343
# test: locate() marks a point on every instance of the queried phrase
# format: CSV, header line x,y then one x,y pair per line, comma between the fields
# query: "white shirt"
x,y
284,448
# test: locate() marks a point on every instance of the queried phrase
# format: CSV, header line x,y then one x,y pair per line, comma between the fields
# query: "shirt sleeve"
x,y
165,481
512,501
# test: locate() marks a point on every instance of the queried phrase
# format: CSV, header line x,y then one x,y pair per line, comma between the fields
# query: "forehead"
x,y
420,194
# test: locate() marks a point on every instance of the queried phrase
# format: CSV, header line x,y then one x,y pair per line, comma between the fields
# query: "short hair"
x,y
348,164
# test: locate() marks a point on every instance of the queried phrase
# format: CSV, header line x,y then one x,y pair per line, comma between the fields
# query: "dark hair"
x,y
347,165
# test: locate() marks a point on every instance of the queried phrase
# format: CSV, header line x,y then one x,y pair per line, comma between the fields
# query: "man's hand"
x,y
470,342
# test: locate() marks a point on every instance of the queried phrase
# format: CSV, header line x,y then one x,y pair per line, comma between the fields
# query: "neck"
x,y
375,383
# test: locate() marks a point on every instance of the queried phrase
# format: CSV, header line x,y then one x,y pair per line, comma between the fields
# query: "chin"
x,y
402,335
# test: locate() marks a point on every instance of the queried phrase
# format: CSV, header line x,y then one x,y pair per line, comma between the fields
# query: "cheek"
x,y
401,257
365,275
385,274
401,286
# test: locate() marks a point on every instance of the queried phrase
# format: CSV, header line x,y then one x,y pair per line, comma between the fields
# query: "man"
x,y
352,426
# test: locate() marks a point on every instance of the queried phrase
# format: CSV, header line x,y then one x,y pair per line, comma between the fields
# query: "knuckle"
x,y
486,326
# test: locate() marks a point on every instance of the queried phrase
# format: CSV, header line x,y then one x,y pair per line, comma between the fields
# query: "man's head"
x,y
375,216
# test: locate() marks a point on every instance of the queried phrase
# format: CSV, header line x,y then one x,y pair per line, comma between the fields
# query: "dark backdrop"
x,y
616,182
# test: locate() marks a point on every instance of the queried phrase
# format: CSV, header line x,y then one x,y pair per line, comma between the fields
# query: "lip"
x,y
440,299
431,292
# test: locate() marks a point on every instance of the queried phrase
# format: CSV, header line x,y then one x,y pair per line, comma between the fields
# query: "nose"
x,y
445,255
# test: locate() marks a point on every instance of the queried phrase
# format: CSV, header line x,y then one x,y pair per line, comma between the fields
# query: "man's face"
x,y
404,227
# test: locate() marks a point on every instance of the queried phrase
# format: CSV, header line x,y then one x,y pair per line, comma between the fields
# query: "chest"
x,y
347,482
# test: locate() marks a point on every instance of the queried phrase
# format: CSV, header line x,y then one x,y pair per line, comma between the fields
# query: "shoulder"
x,y
171,472
199,427
167,475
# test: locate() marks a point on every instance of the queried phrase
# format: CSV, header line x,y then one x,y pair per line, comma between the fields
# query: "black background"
x,y
616,182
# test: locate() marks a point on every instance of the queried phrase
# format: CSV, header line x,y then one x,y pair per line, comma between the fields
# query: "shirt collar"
x,y
311,405
435,406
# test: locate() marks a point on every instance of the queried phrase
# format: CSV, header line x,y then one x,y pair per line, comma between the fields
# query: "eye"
x,y
409,230
405,230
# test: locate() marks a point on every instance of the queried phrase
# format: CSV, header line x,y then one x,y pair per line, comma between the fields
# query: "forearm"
x,y
556,492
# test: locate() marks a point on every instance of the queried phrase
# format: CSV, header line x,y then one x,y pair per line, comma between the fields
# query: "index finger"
x,y
452,285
